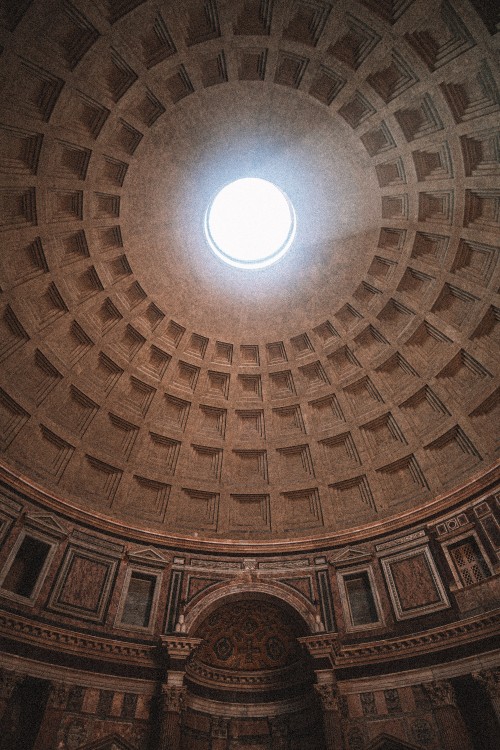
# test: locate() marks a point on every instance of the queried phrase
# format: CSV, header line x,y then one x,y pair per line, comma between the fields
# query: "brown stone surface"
x,y
141,377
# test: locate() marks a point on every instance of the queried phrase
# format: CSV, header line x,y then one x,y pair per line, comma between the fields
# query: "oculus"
x,y
250,223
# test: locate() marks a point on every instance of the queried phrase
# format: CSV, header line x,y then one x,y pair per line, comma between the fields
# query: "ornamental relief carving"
x,y
173,697
440,693
490,679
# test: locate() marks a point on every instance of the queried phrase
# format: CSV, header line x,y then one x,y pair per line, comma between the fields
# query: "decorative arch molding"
x,y
197,611
389,742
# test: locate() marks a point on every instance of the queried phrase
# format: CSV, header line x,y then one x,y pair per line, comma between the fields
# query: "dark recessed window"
x,y
26,567
139,601
361,601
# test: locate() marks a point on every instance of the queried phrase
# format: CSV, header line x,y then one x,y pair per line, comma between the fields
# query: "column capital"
x,y
173,697
8,681
329,696
279,726
440,693
490,679
58,696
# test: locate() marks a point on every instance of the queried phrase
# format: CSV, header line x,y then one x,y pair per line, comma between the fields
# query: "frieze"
x,y
214,565
453,524
402,541
283,564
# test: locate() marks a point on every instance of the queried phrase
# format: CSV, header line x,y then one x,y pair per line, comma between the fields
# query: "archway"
x,y
249,682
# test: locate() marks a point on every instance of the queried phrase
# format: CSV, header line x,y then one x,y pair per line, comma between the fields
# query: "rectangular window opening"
x,y
26,567
139,601
361,601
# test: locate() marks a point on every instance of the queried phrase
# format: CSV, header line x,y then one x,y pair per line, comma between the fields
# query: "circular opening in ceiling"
x,y
250,223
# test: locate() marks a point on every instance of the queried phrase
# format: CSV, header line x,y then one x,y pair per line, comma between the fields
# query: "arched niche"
x,y
250,680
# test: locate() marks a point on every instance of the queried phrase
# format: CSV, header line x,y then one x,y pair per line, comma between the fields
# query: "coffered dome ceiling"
x,y
145,381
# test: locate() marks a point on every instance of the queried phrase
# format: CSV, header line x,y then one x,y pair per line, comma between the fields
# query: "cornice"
x,y
71,642
204,674
452,635
478,483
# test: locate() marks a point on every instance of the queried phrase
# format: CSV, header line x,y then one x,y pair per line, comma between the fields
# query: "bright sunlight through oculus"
x,y
250,223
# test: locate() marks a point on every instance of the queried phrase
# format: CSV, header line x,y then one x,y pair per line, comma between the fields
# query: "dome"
x,y
200,446
143,379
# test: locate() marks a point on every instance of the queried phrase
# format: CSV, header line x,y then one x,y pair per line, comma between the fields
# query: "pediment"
x,y
148,555
350,554
388,742
46,522
111,742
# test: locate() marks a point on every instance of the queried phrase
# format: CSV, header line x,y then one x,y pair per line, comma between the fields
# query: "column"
x,y
54,711
173,697
8,681
454,733
330,704
280,735
219,730
173,692
490,680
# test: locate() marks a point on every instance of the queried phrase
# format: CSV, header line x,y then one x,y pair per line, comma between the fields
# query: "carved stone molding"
x,y
434,639
322,644
243,680
179,646
59,639
52,502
